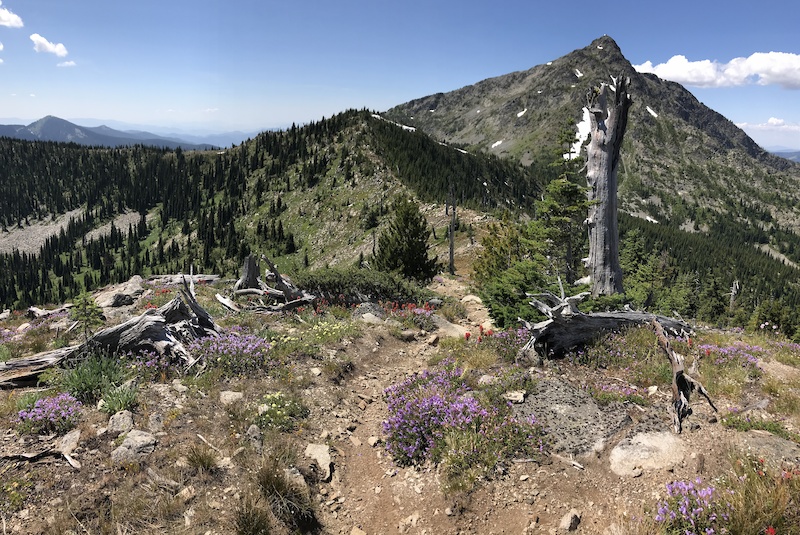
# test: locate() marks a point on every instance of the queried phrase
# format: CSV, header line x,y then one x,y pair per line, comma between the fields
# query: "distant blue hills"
x,y
54,129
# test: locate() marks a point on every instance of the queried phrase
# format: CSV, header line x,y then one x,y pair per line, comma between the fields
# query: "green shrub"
x,y
121,398
93,377
343,286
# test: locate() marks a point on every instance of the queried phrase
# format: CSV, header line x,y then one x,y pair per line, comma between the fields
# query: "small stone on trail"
x,y
355,440
179,387
357,531
570,521
373,441
651,390
316,372
524,477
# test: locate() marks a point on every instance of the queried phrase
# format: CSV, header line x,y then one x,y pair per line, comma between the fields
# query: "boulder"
x,y
136,446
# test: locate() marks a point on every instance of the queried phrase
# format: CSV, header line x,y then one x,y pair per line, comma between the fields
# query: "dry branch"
x,y
682,383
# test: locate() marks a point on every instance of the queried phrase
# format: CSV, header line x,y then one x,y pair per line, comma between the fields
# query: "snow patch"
x,y
584,127
403,126
549,63
520,114
496,144
650,219
599,47
478,111
578,73
653,113
462,151
539,92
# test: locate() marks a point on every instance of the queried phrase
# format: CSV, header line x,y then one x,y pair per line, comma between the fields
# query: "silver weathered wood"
x,y
608,115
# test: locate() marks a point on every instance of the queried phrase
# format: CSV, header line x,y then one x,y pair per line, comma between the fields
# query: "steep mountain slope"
x,y
683,163
54,129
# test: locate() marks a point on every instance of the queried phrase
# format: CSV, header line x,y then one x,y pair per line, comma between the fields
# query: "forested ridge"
x,y
212,208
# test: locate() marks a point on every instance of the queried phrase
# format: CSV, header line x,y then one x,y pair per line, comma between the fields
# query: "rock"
x,y
570,521
179,387
255,437
23,327
357,531
227,397
409,522
471,299
447,329
69,442
432,340
646,451
136,446
155,423
122,422
374,441
407,335
485,380
515,396
316,372
120,294
371,318
355,440
321,454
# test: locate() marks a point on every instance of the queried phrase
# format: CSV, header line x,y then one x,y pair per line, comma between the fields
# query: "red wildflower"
x,y
489,332
467,335
770,531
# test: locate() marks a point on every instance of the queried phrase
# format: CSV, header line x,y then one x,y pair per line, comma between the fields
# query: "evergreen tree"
x,y
403,246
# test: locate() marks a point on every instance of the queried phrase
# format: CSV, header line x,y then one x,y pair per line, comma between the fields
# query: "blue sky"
x,y
255,64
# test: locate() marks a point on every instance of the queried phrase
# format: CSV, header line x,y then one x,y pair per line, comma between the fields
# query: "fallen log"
x,y
165,331
563,332
682,384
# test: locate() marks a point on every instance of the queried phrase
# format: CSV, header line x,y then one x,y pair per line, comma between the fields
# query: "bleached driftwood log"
x,y
166,331
682,383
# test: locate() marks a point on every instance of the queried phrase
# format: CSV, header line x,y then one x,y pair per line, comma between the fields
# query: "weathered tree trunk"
x,y
250,273
608,122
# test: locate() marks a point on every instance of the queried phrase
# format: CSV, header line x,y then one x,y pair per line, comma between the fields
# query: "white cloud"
x,y
9,19
66,64
1,46
40,44
774,121
763,68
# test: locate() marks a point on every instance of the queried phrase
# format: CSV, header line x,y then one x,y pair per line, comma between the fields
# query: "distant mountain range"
x,y
54,129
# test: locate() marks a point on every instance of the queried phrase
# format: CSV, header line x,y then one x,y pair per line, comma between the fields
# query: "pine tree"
x,y
403,246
